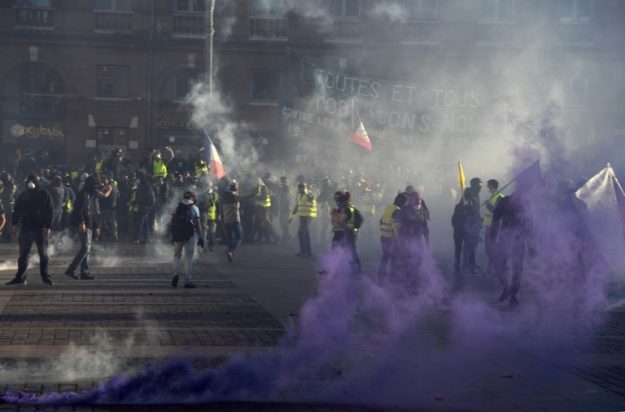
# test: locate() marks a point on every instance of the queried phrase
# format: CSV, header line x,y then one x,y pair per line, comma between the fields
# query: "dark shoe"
x,y
48,281
299,254
16,281
229,255
70,273
505,293
190,285
210,249
174,280
86,276
514,301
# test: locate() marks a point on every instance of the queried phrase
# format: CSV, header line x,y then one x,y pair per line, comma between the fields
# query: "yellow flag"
x,y
461,178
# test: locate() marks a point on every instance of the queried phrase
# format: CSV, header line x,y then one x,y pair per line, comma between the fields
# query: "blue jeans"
x,y
26,239
189,248
234,235
82,257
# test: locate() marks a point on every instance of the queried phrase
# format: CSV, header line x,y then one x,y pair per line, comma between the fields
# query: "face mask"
x,y
31,185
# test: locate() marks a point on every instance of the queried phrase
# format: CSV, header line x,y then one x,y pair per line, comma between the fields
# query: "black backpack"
x,y
358,219
181,223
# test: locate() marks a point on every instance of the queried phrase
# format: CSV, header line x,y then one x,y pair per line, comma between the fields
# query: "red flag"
x,y
212,158
360,137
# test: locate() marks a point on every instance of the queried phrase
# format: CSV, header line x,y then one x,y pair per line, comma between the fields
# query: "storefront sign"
x,y
175,124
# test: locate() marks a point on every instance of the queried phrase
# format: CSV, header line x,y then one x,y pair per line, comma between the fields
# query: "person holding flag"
x,y
212,159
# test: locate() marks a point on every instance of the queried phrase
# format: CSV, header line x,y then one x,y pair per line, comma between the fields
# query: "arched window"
x,y
33,90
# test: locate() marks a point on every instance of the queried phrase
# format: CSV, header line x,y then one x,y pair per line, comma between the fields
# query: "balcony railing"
x,y
33,16
420,32
345,31
108,20
189,25
268,28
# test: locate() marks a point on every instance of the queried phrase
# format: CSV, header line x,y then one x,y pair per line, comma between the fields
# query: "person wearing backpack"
x,y
85,219
186,232
346,220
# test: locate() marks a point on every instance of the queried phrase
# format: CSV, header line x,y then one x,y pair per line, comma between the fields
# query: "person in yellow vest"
x,y
346,221
209,204
489,243
388,232
201,168
158,166
262,207
306,210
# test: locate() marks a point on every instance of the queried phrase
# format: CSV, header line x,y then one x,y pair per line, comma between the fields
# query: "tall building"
x,y
80,75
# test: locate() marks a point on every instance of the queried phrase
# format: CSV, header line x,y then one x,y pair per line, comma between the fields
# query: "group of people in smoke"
x,y
114,198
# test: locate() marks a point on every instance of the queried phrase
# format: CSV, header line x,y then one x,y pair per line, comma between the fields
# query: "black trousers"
x,y
26,239
303,234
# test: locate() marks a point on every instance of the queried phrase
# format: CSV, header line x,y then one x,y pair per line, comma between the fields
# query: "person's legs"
x,y
458,241
25,239
85,246
386,242
210,233
42,249
178,257
189,247
305,225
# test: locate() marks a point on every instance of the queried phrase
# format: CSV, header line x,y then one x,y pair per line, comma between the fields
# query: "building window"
x,y
189,6
183,82
574,11
344,8
114,5
265,86
421,9
112,136
113,15
267,20
33,13
346,22
499,10
112,81
421,27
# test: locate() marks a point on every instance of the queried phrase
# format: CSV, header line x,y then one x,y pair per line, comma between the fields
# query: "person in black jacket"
x,y
33,213
466,225
512,230
85,219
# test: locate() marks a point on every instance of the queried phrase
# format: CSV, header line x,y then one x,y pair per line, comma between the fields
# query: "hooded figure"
x,y
85,219
33,214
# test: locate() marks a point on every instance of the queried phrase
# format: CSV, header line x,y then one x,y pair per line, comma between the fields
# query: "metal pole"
x,y
210,33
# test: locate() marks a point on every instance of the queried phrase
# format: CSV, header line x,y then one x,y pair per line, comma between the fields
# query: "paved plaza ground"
x,y
130,314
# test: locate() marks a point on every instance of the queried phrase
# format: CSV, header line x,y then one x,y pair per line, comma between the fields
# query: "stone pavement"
x,y
130,312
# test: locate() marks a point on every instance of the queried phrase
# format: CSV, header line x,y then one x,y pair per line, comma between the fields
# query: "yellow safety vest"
x,y
98,166
211,212
387,223
201,169
305,206
488,215
266,201
349,224
69,206
159,168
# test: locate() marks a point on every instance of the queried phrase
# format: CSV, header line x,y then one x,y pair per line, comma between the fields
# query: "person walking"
x,y
231,209
284,201
388,232
465,223
492,186
33,215
85,219
306,209
186,233
511,230
346,220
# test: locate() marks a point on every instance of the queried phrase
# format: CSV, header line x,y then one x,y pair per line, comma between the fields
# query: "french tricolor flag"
x,y
212,158
360,137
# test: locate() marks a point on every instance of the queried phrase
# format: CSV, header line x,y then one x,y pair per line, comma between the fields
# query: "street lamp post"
x,y
210,33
